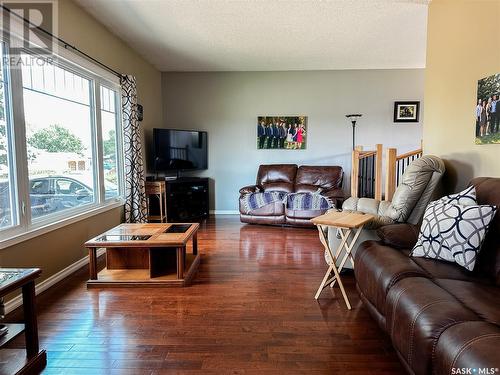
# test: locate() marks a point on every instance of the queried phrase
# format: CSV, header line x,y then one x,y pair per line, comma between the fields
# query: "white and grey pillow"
x,y
464,198
453,232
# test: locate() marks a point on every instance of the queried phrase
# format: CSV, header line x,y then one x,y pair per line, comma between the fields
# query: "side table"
x,y
157,189
347,223
30,360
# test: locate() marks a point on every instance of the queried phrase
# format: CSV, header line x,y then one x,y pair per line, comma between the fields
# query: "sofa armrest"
x,y
399,236
370,206
249,189
467,345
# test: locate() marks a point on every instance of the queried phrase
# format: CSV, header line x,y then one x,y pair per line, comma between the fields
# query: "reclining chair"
x,y
415,191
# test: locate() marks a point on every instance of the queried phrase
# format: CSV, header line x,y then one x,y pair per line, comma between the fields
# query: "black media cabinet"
x,y
187,199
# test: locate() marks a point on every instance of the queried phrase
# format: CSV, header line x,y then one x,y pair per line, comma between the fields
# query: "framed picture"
x,y
281,132
487,114
406,111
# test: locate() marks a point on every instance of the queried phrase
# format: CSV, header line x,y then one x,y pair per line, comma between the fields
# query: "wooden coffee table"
x,y
143,255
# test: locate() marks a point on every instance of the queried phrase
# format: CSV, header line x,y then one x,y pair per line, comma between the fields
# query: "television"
x,y
179,150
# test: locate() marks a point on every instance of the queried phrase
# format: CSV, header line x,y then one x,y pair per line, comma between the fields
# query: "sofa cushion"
x,y
303,214
417,312
379,267
438,269
467,345
325,177
483,299
399,236
269,173
304,188
272,209
278,186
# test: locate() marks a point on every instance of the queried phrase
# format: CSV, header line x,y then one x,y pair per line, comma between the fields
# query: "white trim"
x,y
17,301
37,231
224,212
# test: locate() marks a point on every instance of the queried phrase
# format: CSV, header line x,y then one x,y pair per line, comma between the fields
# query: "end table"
x,y
347,223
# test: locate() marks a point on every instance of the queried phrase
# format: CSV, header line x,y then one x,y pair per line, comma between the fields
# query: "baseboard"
x,y
17,301
224,212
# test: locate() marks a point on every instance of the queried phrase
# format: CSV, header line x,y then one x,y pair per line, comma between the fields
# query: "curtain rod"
x,y
64,43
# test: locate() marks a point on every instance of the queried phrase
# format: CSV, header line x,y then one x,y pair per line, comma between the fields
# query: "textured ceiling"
x,y
269,35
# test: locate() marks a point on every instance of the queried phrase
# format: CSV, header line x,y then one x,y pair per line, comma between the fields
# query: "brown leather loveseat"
x,y
290,178
441,318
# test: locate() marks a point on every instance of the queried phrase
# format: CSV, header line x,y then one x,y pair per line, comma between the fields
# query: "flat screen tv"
x,y
179,150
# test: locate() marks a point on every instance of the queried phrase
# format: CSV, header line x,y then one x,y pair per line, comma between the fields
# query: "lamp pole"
x,y
353,117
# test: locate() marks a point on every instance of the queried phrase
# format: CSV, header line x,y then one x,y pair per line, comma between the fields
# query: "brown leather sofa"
x,y
440,317
290,178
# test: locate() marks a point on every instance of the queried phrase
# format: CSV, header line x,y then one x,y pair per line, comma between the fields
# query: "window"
x,y
59,124
8,215
110,129
71,160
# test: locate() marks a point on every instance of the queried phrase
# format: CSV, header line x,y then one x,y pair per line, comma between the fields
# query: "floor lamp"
x,y
353,117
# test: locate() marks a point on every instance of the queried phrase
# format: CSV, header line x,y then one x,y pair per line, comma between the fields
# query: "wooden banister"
x,y
378,172
409,154
390,176
355,170
370,174
396,165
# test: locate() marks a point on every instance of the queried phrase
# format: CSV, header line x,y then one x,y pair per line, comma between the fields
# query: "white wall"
x,y
227,105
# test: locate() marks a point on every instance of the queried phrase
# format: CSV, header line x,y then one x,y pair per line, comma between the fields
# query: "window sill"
x,y
45,228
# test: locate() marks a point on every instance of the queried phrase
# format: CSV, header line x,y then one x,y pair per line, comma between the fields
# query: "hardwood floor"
x,y
251,310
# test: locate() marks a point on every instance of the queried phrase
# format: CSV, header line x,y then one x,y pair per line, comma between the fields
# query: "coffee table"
x,y
144,255
347,223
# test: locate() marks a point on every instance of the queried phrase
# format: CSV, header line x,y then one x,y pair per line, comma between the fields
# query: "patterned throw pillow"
x,y
464,198
453,232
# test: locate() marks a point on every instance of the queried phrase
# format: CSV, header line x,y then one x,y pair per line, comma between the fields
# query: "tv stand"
x,y
186,199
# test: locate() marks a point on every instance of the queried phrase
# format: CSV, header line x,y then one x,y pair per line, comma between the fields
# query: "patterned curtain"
x,y
135,191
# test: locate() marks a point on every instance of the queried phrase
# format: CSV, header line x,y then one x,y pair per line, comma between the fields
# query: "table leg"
x,y
165,205
31,326
348,247
195,243
324,282
160,200
341,286
180,262
333,266
93,263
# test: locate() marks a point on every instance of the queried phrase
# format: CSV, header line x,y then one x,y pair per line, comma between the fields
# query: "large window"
x,y
58,120
70,155
8,215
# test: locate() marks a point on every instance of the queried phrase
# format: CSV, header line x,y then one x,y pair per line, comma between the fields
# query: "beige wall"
x,y
58,249
463,45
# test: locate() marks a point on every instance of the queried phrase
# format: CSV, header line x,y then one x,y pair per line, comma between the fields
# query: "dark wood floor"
x,y
251,310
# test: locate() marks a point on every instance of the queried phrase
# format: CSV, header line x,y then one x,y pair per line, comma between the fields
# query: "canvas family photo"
x,y
487,107
282,132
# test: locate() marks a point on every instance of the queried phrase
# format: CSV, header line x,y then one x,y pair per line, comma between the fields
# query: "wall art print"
x,y
281,132
487,110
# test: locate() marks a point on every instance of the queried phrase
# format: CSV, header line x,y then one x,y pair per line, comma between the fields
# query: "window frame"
x,y
11,145
28,227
